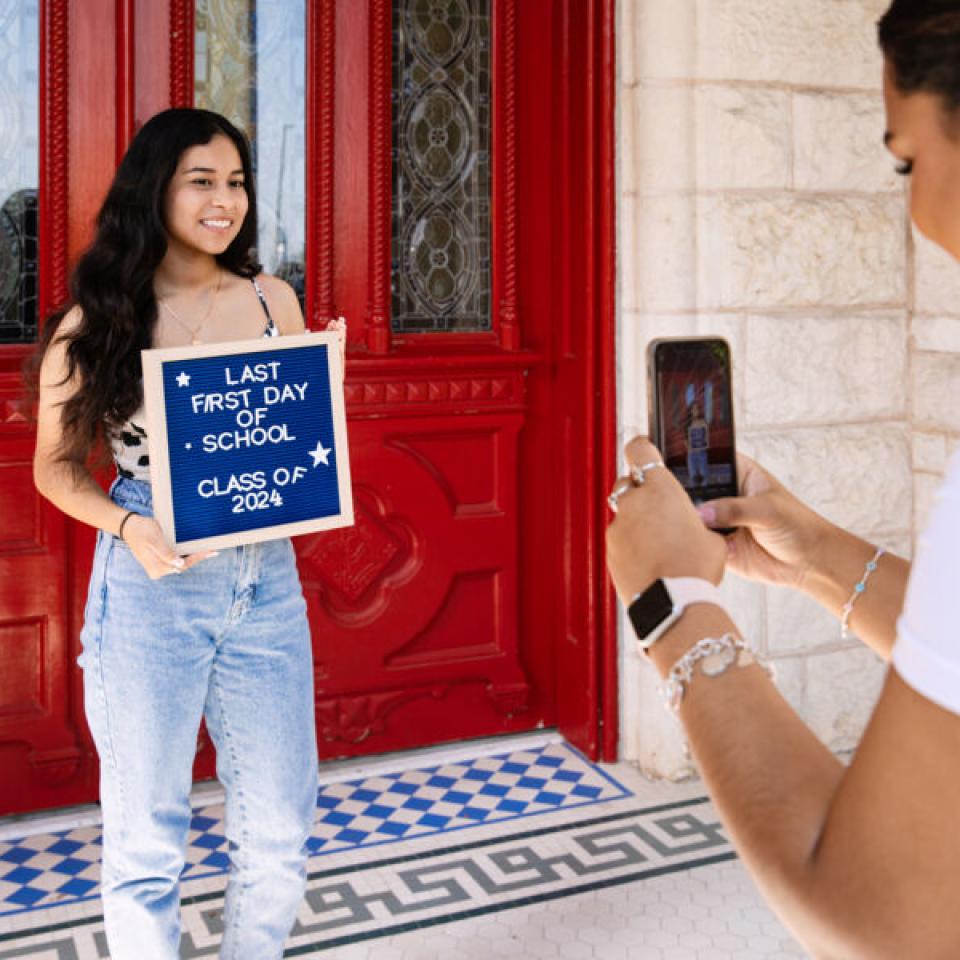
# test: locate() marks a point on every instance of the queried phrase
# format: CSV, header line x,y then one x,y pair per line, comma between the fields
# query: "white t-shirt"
x,y
927,651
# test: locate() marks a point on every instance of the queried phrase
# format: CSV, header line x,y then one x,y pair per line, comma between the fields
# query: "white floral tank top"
x,y
131,449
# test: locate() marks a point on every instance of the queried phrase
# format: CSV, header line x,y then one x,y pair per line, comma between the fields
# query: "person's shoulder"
x,y
283,303
70,323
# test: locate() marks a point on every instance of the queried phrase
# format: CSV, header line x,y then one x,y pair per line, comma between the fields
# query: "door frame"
x,y
99,54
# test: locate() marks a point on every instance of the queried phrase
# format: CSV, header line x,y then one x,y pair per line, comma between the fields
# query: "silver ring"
x,y
619,489
639,474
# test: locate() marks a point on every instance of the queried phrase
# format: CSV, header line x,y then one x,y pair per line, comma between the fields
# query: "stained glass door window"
x,y
441,166
19,168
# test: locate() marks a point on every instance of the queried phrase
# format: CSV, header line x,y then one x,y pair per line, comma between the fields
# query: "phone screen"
x,y
692,413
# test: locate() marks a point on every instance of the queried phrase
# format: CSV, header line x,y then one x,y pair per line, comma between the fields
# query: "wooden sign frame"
x,y
155,401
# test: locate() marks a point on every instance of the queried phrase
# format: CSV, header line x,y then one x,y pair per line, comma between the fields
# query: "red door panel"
x,y
470,597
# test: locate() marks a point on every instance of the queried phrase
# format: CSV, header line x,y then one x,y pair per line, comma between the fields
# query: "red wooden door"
x,y
469,599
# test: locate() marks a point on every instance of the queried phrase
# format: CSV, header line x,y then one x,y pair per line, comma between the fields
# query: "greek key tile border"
x,y
355,902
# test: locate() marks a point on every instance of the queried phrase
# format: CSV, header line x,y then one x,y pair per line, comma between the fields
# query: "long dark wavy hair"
x,y
112,283
921,40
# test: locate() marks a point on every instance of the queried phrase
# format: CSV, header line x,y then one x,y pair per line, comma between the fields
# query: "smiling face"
x,y
923,136
206,199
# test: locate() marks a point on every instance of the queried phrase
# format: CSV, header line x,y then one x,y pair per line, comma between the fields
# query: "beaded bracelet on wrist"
x,y
858,590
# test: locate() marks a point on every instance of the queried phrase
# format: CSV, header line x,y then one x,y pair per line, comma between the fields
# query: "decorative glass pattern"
x,y
251,67
441,166
19,168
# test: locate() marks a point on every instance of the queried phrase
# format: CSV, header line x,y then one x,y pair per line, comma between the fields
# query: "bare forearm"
x,y
77,494
840,565
773,782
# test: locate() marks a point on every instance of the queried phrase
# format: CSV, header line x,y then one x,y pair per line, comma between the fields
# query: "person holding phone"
x,y
169,639
860,861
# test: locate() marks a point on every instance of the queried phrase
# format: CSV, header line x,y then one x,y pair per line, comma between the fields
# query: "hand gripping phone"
x,y
691,413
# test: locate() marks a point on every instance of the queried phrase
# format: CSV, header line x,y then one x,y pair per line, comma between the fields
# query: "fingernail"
x,y
177,562
708,515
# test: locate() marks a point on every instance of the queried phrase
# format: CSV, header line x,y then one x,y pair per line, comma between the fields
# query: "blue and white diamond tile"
x,y
55,869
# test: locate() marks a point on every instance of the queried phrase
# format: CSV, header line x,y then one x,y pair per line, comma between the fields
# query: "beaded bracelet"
x,y
847,608
718,654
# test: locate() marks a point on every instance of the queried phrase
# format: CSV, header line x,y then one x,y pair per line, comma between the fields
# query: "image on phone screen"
x,y
692,410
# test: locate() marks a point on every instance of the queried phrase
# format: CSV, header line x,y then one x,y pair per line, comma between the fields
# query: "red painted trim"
x,y
126,74
505,159
606,332
181,53
321,99
378,314
593,380
54,153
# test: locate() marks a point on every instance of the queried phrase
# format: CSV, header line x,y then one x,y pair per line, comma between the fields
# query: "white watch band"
x,y
684,592
687,591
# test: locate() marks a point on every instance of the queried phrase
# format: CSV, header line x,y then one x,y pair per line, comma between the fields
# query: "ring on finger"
x,y
619,489
639,474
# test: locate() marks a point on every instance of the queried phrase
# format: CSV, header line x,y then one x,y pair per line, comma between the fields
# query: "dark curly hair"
x,y
112,283
921,41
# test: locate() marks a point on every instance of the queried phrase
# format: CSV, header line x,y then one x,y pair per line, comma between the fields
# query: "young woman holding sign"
x,y
169,639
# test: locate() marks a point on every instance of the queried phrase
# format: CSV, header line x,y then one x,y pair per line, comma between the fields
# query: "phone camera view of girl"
x,y
691,414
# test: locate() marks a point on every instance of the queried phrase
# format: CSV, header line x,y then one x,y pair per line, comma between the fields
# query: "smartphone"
x,y
691,413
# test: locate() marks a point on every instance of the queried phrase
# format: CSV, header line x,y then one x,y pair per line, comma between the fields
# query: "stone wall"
x,y
757,202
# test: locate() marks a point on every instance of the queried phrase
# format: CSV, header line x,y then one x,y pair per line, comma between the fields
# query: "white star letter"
x,y
320,455
183,380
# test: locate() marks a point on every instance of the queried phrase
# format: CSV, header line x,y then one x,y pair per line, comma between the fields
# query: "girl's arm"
x,y
70,486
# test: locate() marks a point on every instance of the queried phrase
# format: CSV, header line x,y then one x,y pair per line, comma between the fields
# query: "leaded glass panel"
x,y
251,67
441,166
19,168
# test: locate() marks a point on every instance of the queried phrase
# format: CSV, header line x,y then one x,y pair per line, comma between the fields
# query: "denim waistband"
x,y
132,494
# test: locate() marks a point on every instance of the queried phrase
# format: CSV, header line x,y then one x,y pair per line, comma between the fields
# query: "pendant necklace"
x,y
195,331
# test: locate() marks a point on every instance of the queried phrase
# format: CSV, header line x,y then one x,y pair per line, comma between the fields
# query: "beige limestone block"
x,y
900,544
925,487
858,476
824,43
659,39
930,452
787,250
790,677
743,138
663,158
842,690
936,397
937,292
826,369
939,333
627,38
628,264
838,141
666,253
797,625
651,736
746,602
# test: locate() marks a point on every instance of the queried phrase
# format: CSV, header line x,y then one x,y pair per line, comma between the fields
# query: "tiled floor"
x,y
516,848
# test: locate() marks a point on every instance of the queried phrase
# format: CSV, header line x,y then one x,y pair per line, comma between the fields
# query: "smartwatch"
x,y
661,605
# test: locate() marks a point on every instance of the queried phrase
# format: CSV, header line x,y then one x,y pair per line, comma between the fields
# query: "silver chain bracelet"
x,y
716,656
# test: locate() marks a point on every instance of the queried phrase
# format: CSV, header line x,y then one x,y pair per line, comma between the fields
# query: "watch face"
x,y
650,609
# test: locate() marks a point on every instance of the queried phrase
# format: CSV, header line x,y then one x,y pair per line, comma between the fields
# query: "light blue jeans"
x,y
227,640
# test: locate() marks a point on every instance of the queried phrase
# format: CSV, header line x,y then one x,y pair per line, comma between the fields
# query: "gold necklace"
x,y
195,331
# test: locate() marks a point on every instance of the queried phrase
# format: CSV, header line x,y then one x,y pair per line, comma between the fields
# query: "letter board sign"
x,y
248,440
